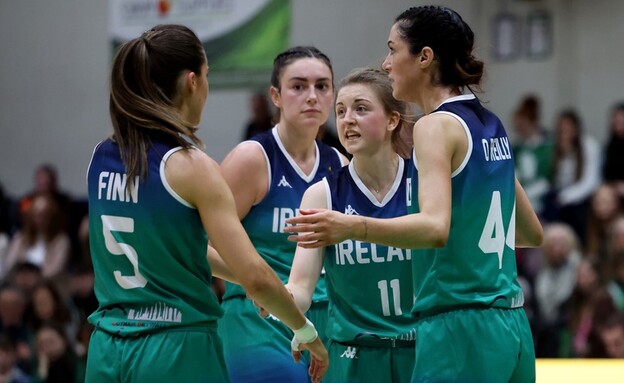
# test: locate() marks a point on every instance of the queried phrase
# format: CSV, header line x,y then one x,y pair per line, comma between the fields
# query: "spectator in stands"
x,y
56,360
25,276
590,304
13,325
48,306
604,210
9,370
261,116
553,287
42,240
576,172
615,263
613,170
612,335
45,182
533,151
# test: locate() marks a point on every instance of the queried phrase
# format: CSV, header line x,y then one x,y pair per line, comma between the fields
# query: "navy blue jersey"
x,y
266,220
369,285
478,264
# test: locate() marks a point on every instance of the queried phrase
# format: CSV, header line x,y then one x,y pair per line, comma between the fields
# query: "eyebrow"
x,y
306,79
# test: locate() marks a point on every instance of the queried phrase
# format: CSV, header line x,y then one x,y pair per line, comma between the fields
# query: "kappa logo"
x,y
349,210
350,353
284,183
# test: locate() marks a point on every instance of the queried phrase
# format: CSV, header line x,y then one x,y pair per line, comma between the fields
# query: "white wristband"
x,y
305,334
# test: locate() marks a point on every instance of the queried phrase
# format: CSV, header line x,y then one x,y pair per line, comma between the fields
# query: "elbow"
x,y
256,283
438,235
537,239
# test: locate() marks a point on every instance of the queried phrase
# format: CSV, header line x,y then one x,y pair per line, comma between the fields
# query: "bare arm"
x,y
197,179
245,170
308,263
529,232
218,266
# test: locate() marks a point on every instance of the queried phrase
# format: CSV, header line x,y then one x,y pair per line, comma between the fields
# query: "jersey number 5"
x,y
112,223
493,238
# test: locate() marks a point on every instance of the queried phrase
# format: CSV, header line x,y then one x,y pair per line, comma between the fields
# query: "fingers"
x,y
296,355
317,370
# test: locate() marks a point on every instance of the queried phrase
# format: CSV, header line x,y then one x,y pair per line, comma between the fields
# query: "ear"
x,y
276,97
190,81
426,57
394,120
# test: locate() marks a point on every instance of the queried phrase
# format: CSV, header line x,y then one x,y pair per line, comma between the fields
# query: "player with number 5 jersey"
x,y
154,199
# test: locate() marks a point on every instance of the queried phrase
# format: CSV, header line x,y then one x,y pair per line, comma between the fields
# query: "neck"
x,y
432,96
377,172
299,143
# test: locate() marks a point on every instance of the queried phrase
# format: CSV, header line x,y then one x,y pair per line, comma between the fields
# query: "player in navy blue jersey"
x,y
268,176
467,212
154,199
370,328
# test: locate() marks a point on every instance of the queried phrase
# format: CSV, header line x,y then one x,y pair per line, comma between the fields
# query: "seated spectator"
x,y
590,305
612,335
533,152
605,209
56,361
45,182
553,287
261,116
613,171
9,370
48,307
615,263
25,276
576,173
42,240
5,227
13,326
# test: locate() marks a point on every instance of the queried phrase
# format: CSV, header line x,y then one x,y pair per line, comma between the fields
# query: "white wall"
x,y
56,54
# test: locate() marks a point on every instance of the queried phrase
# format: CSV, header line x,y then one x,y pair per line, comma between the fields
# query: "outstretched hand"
x,y
319,358
320,227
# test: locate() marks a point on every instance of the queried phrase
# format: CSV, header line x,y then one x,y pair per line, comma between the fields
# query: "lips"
x,y
351,135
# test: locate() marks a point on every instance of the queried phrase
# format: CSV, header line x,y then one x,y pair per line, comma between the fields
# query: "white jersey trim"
x,y
395,185
91,160
328,197
164,181
469,136
308,178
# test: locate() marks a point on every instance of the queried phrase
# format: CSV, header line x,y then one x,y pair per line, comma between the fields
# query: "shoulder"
x,y
247,155
315,196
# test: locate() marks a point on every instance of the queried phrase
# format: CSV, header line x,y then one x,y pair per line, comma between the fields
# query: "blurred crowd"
x,y
574,284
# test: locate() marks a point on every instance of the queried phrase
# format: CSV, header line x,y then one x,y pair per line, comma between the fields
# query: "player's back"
x,y
477,264
148,247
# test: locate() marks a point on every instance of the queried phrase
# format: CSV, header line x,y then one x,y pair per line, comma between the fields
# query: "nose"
x,y
386,64
347,118
311,94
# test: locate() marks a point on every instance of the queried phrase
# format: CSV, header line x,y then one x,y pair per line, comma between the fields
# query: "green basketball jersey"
x,y
148,248
477,266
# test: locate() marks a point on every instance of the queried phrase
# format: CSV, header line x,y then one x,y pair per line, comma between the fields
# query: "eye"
x,y
322,86
340,111
361,108
297,86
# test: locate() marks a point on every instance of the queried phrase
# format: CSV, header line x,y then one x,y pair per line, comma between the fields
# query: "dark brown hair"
x,y
285,58
451,39
144,83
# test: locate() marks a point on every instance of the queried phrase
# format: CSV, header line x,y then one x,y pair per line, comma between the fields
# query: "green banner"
x,y
241,37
